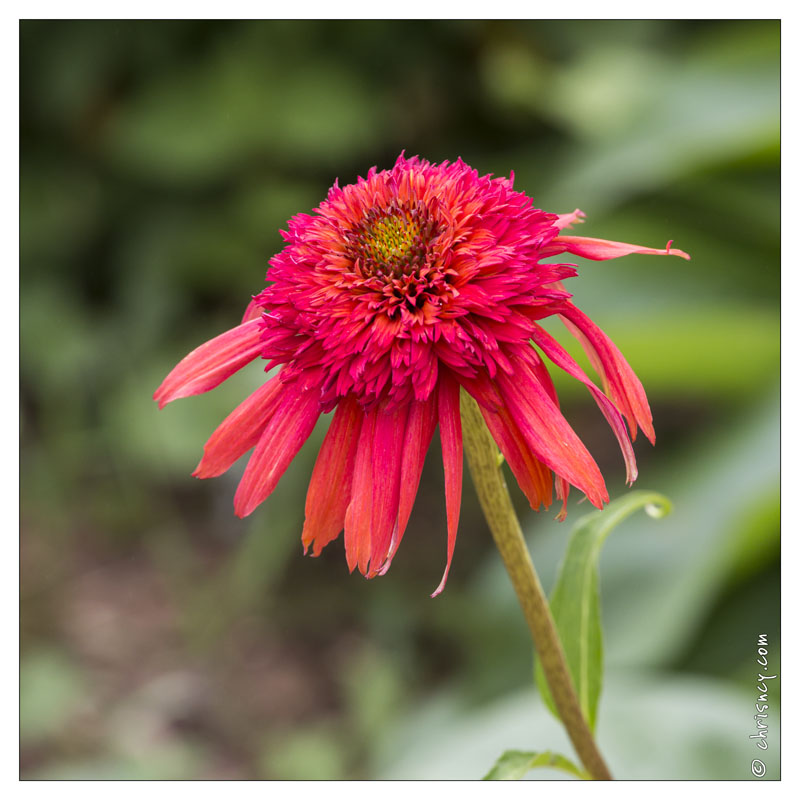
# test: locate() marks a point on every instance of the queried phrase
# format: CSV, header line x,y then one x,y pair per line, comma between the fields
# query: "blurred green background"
x,y
162,637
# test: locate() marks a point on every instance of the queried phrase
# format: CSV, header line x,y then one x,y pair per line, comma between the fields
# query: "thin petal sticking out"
x,y
453,460
604,249
211,363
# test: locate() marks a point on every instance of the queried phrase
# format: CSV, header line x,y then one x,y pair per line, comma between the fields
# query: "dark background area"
x,y
162,637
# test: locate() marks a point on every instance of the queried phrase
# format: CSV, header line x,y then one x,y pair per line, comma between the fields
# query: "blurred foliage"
x,y
164,638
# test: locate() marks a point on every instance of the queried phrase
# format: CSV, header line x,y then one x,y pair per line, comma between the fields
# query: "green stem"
x,y
482,457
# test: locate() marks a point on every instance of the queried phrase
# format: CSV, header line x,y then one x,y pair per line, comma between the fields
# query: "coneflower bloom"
x,y
394,294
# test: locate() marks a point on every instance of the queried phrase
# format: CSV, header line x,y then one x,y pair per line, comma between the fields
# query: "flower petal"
x,y
619,380
294,418
387,458
548,434
568,220
358,517
211,363
331,481
452,458
532,476
421,423
240,430
603,249
556,353
540,370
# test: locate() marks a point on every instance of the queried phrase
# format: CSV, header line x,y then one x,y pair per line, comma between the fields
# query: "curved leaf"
x,y
515,764
575,601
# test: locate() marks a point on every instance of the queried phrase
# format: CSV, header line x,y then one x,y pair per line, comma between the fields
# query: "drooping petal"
x,y
604,249
387,458
331,481
452,458
422,419
294,418
532,476
358,517
561,358
619,380
562,487
240,430
211,363
548,434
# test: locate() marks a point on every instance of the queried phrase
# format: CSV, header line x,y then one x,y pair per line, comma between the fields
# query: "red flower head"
x,y
396,292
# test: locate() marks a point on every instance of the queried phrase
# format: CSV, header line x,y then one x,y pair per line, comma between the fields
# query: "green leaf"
x,y
575,601
515,764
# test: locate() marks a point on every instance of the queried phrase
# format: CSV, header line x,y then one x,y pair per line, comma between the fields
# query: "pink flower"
x,y
398,291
